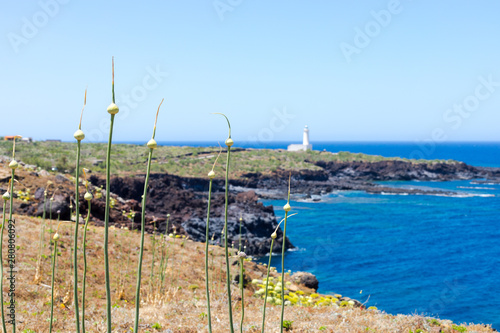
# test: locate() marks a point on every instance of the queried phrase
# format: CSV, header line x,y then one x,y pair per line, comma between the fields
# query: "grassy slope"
x,y
182,161
181,307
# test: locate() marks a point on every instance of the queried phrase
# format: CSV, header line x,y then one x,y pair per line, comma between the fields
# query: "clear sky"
x,y
351,70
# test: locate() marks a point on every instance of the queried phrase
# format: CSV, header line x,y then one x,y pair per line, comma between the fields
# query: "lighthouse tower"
x,y
305,140
306,145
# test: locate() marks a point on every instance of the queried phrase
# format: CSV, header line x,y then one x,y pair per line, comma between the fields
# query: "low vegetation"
x,y
181,161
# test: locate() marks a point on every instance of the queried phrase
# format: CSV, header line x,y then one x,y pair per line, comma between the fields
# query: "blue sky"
x,y
351,70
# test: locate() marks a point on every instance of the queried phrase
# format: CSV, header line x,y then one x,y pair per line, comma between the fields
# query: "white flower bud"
x,y
211,174
6,196
152,144
287,207
56,236
229,142
79,135
273,235
88,196
13,164
113,108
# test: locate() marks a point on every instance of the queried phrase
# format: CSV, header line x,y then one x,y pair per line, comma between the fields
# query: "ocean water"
x,y
432,255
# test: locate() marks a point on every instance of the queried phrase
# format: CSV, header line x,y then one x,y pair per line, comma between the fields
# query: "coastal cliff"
x,y
185,198
361,176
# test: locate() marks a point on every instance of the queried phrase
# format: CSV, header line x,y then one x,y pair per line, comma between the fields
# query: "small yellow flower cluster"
x,y
297,297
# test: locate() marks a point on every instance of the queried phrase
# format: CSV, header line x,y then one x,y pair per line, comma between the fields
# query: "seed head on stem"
x,y
211,174
113,110
79,135
151,145
229,143
13,164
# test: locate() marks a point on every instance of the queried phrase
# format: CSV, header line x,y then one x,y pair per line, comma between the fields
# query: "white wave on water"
x,y
477,187
466,195
296,249
389,193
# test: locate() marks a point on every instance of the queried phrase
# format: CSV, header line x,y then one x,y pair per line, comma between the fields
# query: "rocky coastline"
x,y
362,176
185,199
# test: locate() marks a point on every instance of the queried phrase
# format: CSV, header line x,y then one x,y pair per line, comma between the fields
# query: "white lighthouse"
x,y
305,142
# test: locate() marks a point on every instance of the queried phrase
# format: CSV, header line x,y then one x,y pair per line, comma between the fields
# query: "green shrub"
x,y
459,328
287,325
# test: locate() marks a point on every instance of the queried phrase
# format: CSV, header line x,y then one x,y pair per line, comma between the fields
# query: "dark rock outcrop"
x,y
399,170
246,280
359,176
306,279
59,204
185,199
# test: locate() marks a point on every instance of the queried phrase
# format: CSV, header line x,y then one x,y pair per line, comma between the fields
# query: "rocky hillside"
x,y
185,199
360,176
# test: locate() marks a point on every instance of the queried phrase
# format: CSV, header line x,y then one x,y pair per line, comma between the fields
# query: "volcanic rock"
x,y
306,279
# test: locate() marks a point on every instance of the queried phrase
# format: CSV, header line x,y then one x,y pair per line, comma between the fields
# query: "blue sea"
x,y
406,254
424,254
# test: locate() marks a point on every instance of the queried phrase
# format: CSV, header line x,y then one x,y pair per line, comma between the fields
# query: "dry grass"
x,y
181,307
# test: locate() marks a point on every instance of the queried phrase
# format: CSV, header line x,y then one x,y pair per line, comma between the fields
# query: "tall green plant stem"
x,y
42,229
151,145
267,285
242,287
50,214
283,260
1,265
283,273
152,260
166,227
162,268
52,286
206,256
165,252
143,227
106,225
12,278
112,110
239,246
75,240
84,245
228,272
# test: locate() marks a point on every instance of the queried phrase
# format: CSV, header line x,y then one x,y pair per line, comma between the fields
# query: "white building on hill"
x,y
305,143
